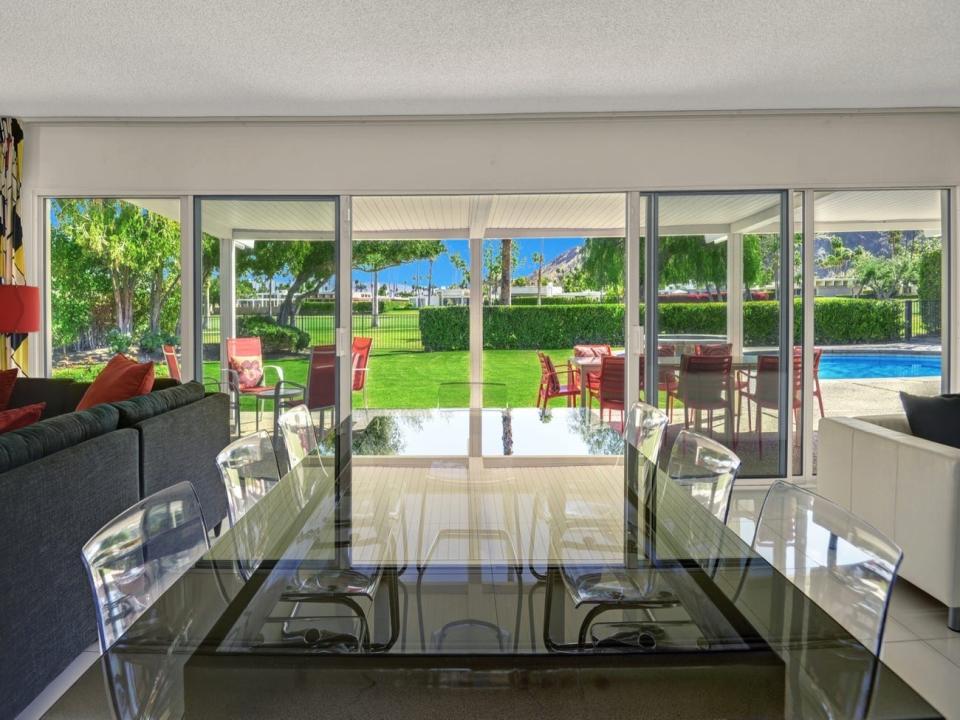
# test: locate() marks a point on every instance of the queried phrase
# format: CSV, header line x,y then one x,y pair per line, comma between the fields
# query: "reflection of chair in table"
x,y
250,470
699,467
489,534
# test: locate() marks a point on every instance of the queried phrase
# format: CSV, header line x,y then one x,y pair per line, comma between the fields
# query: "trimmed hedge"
x,y
273,338
445,328
837,321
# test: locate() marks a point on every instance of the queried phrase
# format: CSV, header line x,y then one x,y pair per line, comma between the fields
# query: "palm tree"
x,y
538,259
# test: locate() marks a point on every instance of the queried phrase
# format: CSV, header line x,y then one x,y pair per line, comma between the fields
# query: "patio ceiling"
x,y
568,215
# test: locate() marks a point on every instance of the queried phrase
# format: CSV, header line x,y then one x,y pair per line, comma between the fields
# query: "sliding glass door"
x,y
719,286
266,323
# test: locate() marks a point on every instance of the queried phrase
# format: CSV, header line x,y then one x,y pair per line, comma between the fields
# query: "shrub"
x,y
119,342
928,287
273,338
855,320
151,342
523,327
837,321
445,328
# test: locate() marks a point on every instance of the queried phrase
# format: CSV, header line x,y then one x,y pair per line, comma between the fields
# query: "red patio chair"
x,y
173,363
360,356
765,392
550,385
611,386
246,373
592,379
320,392
704,384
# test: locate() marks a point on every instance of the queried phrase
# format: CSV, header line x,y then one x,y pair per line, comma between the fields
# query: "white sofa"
x,y
907,487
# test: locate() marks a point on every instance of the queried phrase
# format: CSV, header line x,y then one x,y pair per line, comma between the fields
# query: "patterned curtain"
x,y
13,347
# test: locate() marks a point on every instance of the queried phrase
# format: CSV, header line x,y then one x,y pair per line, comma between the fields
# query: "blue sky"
x,y
444,273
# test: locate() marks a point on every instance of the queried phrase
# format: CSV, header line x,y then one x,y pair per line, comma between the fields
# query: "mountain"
x,y
566,262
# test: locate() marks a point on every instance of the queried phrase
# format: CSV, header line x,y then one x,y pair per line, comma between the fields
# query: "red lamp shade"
x,y
19,308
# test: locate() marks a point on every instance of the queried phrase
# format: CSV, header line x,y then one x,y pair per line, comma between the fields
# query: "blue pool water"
x,y
878,366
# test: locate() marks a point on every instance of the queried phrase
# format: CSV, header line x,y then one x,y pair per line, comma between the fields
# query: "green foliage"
x,y
274,338
119,342
856,320
114,265
603,263
837,321
929,272
152,342
575,281
555,300
445,328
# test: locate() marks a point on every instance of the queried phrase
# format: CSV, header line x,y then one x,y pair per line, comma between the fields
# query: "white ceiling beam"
x,y
480,208
925,224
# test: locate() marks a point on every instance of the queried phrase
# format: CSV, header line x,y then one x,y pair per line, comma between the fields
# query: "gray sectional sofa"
x,y
61,479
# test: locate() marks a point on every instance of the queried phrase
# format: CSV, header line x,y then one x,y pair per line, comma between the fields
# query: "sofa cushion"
x,y
934,418
46,437
20,417
121,379
140,408
8,378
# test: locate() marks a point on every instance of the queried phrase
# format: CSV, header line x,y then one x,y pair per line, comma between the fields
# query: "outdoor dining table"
x,y
475,638
667,362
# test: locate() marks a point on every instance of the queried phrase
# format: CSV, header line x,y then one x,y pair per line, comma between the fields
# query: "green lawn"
x,y
413,380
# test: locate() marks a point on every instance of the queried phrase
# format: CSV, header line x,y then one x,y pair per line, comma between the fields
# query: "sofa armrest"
x,y
182,444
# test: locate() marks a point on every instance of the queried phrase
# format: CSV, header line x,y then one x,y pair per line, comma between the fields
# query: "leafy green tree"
x,y
137,249
309,263
840,259
603,264
374,256
574,281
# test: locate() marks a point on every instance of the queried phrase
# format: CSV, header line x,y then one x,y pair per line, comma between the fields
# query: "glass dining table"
x,y
454,589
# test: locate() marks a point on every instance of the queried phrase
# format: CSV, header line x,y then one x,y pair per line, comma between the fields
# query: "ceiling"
x,y
554,215
227,58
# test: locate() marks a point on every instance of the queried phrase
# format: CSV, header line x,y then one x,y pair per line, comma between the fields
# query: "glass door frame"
x,y
227,255
735,309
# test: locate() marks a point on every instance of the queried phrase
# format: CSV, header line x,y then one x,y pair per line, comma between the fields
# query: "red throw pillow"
x,y
8,378
121,379
20,417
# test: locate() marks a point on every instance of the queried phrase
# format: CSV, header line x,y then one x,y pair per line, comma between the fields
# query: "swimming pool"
x,y
843,366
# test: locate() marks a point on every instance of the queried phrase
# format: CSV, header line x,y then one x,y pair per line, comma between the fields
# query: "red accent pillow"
x,y
8,378
17,418
121,379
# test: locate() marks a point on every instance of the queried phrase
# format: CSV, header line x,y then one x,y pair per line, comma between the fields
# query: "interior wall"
x,y
484,155
489,155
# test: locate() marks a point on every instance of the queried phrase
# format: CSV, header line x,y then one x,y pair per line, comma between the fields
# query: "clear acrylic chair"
x,y
845,565
139,554
299,435
249,470
706,469
699,467
133,564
